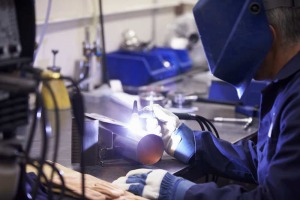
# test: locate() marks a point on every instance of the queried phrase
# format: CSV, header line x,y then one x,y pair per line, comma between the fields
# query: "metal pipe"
x,y
147,149
136,145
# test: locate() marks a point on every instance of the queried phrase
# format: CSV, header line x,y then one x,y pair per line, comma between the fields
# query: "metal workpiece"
x,y
122,143
136,145
146,150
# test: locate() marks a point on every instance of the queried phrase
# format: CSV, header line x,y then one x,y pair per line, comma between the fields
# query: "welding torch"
x,y
144,119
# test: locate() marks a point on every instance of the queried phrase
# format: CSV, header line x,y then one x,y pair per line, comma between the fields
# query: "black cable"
x,y
201,120
43,175
33,126
40,105
39,108
204,123
37,74
47,182
187,116
211,125
57,118
201,123
57,124
46,133
63,187
78,112
104,69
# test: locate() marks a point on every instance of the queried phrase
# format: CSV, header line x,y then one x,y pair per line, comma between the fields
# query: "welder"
x,y
243,40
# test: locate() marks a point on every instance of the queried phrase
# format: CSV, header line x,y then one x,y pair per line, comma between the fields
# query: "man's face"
x,y
264,71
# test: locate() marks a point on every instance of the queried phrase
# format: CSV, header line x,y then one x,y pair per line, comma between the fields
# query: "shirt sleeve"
x,y
213,155
217,156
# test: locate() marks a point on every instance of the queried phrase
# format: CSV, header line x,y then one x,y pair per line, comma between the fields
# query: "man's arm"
x,y
216,156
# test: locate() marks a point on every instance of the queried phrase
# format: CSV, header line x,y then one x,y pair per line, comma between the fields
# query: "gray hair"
x,y
287,22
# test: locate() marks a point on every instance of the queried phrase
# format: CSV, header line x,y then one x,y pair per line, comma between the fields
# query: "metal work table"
x,y
232,132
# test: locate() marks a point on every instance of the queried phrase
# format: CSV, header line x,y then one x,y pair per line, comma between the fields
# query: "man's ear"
x,y
274,34
273,31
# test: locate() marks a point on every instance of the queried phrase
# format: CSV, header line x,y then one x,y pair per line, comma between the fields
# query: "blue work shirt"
x,y
273,163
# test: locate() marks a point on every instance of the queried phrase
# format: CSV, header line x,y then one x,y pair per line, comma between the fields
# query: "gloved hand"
x,y
154,184
178,139
168,124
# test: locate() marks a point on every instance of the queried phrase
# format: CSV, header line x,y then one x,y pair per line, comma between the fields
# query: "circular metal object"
x,y
180,100
150,149
149,98
147,150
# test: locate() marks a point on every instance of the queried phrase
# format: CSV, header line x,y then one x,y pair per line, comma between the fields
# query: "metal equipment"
x,y
17,25
108,139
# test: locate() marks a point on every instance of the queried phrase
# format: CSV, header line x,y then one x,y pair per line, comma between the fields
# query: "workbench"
x,y
232,132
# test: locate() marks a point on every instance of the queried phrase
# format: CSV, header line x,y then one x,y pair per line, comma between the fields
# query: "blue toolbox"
x,y
138,68
180,56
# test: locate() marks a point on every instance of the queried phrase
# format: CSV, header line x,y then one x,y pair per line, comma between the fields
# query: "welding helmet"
x,y
236,38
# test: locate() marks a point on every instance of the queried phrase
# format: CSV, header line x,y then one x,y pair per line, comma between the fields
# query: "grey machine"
x,y
17,34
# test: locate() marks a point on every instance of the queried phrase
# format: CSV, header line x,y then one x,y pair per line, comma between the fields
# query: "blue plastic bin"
x,y
180,56
140,68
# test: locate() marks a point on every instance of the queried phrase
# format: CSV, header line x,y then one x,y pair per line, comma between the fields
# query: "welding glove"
x,y
179,140
154,184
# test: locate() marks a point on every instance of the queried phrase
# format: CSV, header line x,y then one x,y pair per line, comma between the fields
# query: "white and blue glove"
x,y
179,140
154,184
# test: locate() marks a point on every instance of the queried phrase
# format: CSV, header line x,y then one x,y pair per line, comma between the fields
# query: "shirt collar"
x,y
289,69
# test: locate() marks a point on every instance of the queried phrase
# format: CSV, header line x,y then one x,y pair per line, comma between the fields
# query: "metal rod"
x,y
248,120
104,70
224,119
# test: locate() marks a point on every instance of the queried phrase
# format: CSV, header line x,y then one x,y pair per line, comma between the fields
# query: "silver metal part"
x,y
152,97
180,100
248,120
